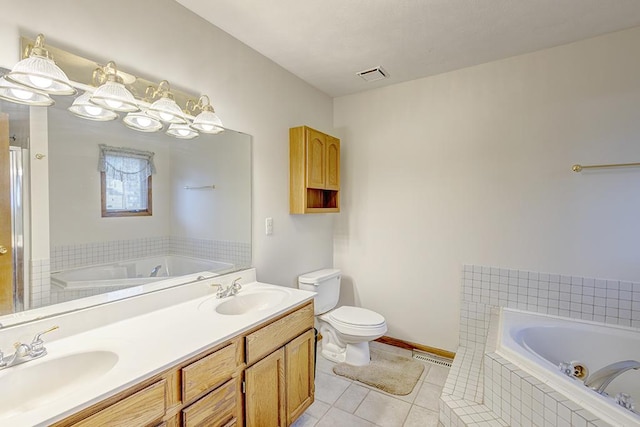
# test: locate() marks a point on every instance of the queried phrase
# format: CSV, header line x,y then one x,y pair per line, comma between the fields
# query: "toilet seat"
x,y
356,316
356,321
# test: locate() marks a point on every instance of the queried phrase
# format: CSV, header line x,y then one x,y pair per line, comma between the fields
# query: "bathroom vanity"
x,y
246,359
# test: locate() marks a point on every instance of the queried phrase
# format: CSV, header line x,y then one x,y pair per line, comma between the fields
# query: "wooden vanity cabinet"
x,y
314,171
264,377
203,391
280,378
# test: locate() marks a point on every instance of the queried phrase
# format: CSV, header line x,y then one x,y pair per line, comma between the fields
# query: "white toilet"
x,y
346,331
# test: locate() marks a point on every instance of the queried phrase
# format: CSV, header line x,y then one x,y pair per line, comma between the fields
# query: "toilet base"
x,y
354,354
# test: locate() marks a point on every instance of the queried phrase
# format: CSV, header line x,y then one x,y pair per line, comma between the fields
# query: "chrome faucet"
x,y
26,352
230,290
235,286
155,270
600,379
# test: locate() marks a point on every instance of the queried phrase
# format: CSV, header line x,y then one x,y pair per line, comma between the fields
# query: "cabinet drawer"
x,y
208,372
139,409
217,408
265,340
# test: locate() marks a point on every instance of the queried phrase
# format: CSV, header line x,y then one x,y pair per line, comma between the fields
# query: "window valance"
x,y
124,163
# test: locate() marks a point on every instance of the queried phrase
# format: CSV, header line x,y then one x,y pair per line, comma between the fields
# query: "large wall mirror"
x,y
68,255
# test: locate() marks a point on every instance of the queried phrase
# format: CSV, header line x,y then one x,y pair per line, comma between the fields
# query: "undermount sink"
x,y
26,387
246,302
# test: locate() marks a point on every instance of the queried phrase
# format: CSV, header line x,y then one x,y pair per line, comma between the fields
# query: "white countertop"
x,y
146,345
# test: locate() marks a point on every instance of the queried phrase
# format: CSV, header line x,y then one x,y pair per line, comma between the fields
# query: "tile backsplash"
x,y
65,257
72,256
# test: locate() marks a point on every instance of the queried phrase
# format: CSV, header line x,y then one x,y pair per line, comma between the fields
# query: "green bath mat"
x,y
387,372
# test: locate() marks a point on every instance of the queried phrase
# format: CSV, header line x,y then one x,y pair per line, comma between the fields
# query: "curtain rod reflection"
x,y
202,187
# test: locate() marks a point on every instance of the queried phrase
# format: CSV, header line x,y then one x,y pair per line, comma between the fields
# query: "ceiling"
x,y
326,42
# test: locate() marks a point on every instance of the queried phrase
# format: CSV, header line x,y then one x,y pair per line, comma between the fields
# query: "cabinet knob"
x,y
3,250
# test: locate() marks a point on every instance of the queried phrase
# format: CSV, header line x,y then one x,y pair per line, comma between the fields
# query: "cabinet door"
x,y
299,375
265,392
332,154
316,159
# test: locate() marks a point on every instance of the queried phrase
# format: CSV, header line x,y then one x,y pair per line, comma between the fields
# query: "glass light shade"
x,y
42,74
114,96
84,108
22,95
142,122
208,122
181,131
167,110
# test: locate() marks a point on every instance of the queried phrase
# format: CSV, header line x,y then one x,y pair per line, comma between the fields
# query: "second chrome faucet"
x,y
230,290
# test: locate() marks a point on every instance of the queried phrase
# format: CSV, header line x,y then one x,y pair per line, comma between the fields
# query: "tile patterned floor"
x,y
342,402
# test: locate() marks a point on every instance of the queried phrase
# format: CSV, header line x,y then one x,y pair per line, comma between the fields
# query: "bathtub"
x,y
538,343
123,274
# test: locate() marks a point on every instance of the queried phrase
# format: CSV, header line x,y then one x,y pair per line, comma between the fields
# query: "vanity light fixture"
x,y
84,108
22,95
165,107
38,71
32,80
112,94
181,131
207,121
142,122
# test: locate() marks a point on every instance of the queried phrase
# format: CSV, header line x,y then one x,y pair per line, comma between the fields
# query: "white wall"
x,y
159,39
474,167
224,213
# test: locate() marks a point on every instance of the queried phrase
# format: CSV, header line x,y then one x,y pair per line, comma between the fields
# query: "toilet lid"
x,y
356,316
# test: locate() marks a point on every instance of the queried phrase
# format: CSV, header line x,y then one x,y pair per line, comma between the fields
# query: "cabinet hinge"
x,y
244,387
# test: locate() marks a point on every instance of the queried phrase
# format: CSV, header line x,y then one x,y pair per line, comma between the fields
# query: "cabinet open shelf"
x,y
323,199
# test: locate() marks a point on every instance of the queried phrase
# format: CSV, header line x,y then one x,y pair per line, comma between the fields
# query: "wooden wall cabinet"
x,y
207,390
314,171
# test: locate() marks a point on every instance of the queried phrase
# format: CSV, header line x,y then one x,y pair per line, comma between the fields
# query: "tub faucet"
x,y
155,270
600,379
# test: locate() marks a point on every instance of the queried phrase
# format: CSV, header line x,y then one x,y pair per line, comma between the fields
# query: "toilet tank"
x,y
326,283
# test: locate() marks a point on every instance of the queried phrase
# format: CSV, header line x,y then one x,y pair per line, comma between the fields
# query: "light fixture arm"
x,y
37,49
109,72
203,104
162,91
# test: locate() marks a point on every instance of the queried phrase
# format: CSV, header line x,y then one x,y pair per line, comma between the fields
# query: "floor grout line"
x,y
411,403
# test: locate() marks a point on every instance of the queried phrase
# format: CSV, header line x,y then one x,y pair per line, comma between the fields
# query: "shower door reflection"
x,y
16,186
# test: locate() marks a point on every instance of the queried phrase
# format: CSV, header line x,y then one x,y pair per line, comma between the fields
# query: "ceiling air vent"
x,y
373,74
